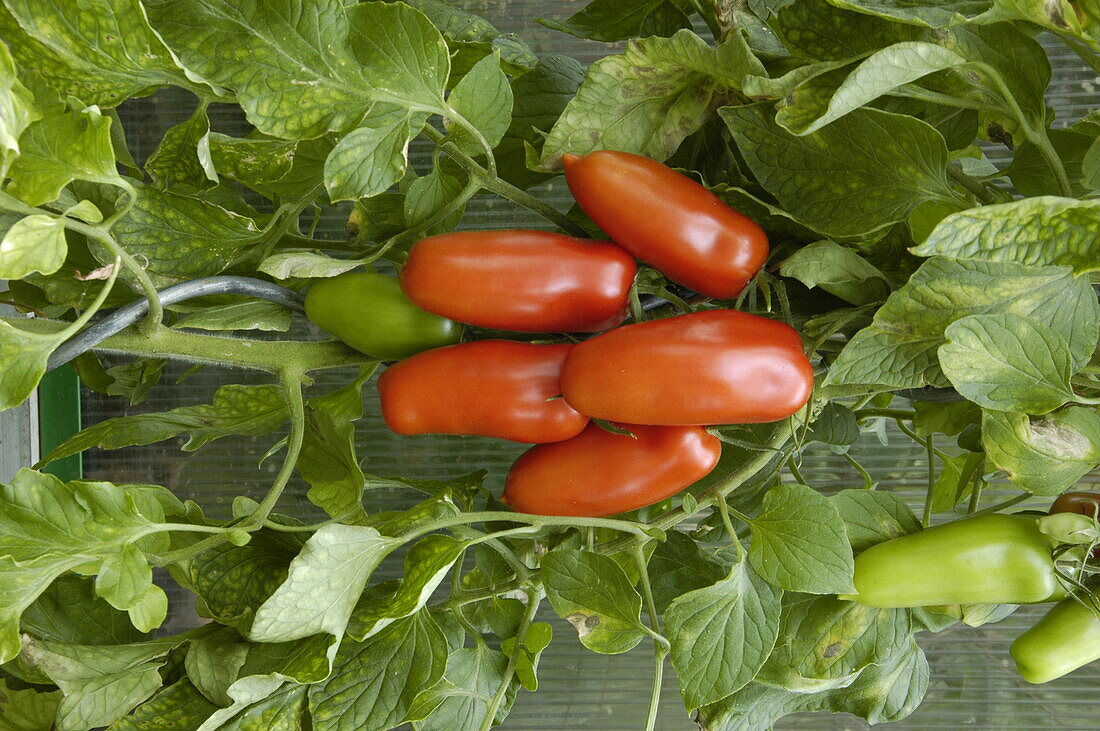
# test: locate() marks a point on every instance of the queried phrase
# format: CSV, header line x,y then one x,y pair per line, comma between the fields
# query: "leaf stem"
x,y
902,414
637,529
930,451
1037,135
660,643
262,355
534,599
1001,505
868,481
453,205
974,186
795,472
490,159
503,188
291,381
976,494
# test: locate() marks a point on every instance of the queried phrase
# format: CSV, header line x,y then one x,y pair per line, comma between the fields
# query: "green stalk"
x,y
930,449
534,598
660,644
503,188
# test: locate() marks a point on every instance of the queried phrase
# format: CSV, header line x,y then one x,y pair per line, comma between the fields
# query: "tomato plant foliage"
x,y
853,132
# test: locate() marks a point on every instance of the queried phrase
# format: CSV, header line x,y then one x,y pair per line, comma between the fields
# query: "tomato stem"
x,y
504,188
534,599
1000,506
930,451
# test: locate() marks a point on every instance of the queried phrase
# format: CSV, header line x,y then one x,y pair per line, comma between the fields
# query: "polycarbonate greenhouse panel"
x,y
973,681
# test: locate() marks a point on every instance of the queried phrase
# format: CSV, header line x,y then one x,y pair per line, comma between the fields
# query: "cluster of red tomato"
x,y
661,381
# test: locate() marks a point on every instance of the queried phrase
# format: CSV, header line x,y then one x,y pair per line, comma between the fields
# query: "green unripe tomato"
x,y
992,559
370,313
1066,638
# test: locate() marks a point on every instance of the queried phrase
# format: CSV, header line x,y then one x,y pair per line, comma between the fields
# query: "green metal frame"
x,y
59,419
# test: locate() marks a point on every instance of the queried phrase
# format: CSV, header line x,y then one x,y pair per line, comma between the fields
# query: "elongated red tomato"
x,y
489,388
600,473
668,221
524,281
712,367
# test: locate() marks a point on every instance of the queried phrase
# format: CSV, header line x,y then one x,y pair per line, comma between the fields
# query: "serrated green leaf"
x,y
101,683
539,97
649,98
255,162
471,38
429,195
537,639
323,584
892,163
947,418
70,612
248,315
178,705
1008,363
179,237
27,709
328,463
721,635
233,581
236,409
838,270
17,110
816,29
592,593
33,244
1043,456
827,642
373,156
799,543
183,155
873,516
213,664
461,699
899,349
1045,231
426,566
484,99
375,683
100,51
124,578
294,265
61,148
678,566
615,20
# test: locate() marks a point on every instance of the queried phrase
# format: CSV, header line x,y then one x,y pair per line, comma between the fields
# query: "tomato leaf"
x,y
1043,456
1045,231
323,583
374,683
592,593
649,98
799,544
722,634
1008,363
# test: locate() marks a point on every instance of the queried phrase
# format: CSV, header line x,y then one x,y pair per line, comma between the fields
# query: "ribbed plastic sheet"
x,y
973,682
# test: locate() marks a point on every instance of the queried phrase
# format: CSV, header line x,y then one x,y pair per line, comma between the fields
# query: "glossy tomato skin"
x,y
992,559
1085,503
668,221
368,312
490,388
522,281
711,367
1066,638
599,473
